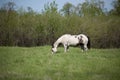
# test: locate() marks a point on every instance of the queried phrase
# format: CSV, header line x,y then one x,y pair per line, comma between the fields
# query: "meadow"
x,y
37,63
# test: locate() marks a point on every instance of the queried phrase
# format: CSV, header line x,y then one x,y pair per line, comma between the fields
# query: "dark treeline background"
x,y
19,27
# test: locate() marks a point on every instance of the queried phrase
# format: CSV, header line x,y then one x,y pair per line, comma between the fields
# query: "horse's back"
x,y
65,36
70,39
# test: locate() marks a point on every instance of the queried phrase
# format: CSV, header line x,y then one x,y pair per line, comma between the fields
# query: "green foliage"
x,y
67,9
88,8
37,63
50,7
28,28
116,10
91,8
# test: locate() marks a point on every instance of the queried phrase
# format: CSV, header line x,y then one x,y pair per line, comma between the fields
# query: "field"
x,y
37,63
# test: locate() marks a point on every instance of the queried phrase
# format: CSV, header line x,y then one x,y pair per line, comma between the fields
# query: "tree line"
x,y
28,28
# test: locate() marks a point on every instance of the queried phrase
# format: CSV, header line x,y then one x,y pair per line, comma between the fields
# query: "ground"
x,y
38,63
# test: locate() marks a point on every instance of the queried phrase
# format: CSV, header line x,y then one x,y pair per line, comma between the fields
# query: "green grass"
x,y
37,63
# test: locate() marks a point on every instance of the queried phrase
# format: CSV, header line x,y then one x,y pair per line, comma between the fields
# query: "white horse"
x,y
68,40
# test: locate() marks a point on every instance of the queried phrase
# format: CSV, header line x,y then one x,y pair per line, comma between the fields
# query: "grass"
x,y
37,63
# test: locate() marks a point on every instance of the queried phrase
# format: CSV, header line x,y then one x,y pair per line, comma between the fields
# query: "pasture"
x,y
37,63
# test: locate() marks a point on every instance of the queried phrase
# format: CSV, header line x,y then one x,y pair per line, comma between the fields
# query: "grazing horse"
x,y
71,40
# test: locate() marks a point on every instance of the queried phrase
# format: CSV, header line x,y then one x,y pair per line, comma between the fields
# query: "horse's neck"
x,y
57,43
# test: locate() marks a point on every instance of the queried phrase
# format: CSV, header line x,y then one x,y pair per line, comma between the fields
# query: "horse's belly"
x,y
73,42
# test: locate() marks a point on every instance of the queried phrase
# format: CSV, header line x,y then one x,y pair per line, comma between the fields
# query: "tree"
x,y
10,6
90,8
7,24
50,8
116,9
67,9
51,21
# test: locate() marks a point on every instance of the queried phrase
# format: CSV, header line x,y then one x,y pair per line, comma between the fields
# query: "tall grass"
x,y
37,63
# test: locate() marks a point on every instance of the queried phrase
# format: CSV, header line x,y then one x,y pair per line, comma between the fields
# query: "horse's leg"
x,y
82,47
85,47
65,47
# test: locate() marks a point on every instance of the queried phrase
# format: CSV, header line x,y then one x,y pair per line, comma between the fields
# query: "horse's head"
x,y
54,49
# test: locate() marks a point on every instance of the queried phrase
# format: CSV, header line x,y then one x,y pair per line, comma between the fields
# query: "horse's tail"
x,y
88,44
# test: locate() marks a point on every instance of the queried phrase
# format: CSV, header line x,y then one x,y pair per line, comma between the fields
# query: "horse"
x,y
72,40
